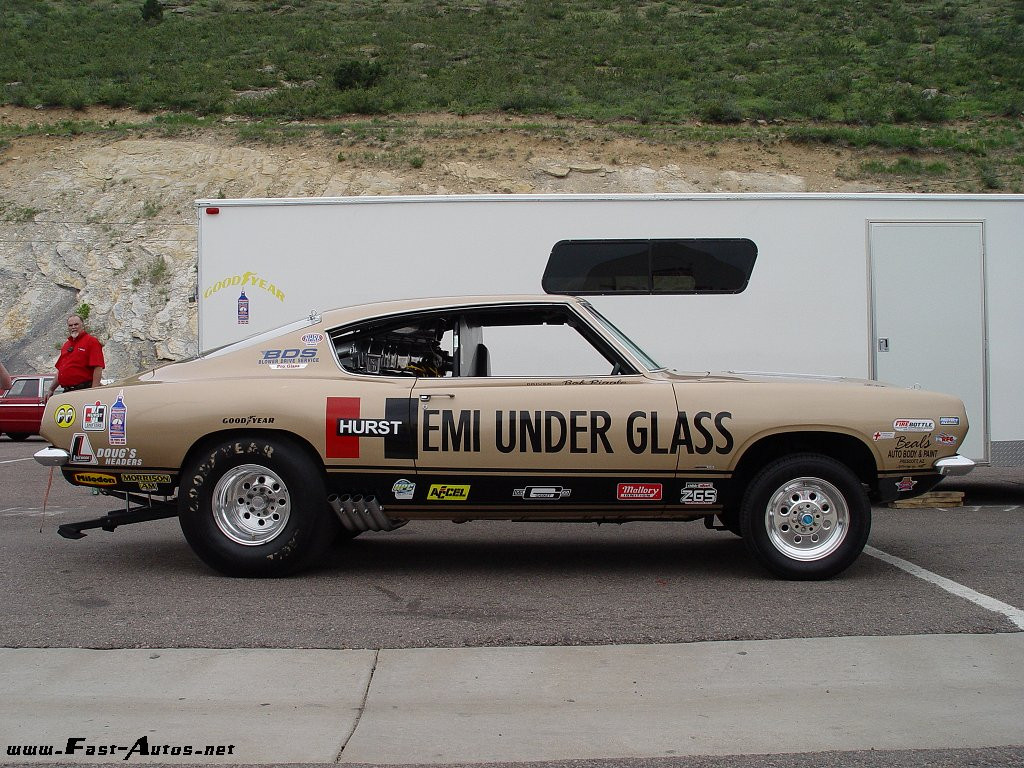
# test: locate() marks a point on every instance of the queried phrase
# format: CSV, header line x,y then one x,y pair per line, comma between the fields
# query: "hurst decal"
x,y
583,432
347,427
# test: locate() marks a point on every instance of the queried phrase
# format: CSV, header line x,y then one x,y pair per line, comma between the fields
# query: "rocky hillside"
x,y
107,217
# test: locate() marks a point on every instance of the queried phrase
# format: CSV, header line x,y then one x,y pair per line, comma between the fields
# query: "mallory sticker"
x,y
639,492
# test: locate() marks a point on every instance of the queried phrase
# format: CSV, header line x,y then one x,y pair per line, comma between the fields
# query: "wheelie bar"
x,y
146,510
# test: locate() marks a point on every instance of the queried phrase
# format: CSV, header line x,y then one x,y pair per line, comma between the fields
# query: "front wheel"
x,y
806,517
254,506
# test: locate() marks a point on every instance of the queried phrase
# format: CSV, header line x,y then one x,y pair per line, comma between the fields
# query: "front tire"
x,y
805,517
254,506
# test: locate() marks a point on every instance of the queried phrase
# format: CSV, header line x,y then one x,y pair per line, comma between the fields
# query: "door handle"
x,y
426,398
883,345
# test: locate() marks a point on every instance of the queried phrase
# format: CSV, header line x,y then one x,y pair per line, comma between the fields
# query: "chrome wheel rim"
x,y
807,519
251,505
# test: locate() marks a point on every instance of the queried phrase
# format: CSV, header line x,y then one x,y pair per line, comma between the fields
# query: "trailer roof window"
x,y
697,265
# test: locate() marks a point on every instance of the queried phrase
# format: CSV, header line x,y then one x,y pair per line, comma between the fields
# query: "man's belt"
x,y
73,387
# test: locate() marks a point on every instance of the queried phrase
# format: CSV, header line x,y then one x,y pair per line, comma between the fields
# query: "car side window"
x,y
24,388
417,346
533,343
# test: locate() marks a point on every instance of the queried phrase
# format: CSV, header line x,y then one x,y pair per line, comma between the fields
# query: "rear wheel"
x,y
806,516
255,507
18,436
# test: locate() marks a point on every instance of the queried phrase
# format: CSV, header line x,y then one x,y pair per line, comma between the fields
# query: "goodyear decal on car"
x,y
447,492
93,478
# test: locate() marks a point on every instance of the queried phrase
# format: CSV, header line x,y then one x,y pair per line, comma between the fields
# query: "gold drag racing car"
x,y
515,408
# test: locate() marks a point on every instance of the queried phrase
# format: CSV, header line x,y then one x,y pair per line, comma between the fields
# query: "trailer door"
x,y
928,301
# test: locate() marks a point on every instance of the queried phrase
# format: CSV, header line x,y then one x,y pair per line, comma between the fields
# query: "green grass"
x,y
855,62
939,80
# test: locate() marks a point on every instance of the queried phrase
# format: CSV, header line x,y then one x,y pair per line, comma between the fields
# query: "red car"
x,y
21,407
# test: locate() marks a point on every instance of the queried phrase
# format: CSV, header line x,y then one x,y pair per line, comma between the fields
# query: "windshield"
x,y
623,339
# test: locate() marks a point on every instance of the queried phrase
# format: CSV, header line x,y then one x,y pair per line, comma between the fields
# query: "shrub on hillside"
x,y
357,74
152,10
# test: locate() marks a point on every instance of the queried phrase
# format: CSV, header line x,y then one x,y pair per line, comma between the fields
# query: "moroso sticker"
x,y
913,425
950,421
541,492
346,428
81,450
93,478
404,489
64,416
639,492
94,417
883,436
944,438
906,484
312,339
145,478
448,493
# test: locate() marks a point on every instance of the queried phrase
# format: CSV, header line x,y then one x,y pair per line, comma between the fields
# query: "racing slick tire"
x,y
254,506
805,517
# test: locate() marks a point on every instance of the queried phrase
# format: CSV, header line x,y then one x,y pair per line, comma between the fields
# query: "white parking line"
x,y
11,461
1015,615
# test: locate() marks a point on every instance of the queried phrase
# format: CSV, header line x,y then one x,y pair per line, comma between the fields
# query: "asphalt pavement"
x,y
507,644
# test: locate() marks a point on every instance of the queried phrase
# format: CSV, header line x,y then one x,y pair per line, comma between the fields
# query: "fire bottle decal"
x,y
243,309
118,434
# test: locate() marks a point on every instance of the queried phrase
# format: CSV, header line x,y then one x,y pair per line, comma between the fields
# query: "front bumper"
x,y
52,457
954,465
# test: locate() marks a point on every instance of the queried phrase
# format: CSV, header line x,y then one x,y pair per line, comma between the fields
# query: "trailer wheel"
x,y
254,507
805,516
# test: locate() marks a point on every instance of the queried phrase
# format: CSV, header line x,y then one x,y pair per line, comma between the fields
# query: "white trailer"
x,y
920,290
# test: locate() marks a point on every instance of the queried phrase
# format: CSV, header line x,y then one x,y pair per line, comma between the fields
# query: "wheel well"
x,y
214,438
843,448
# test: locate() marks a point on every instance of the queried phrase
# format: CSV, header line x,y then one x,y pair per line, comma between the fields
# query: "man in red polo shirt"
x,y
80,364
